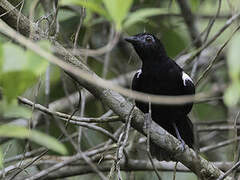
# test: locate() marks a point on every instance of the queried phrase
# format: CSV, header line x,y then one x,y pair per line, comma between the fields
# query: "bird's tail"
x,y
185,128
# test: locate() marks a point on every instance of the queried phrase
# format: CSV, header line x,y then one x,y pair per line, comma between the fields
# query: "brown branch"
x,y
132,165
190,21
201,167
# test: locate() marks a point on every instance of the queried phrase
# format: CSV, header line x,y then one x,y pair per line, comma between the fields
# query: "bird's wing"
x,y
135,81
188,86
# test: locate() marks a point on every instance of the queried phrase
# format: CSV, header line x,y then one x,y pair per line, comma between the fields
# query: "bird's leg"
x,y
182,146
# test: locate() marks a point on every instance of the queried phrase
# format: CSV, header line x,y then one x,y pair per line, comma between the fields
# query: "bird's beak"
x,y
131,39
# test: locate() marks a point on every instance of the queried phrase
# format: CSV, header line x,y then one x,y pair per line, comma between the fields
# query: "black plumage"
x,y
160,75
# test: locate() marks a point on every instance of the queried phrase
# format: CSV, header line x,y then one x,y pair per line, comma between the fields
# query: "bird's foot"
x,y
181,147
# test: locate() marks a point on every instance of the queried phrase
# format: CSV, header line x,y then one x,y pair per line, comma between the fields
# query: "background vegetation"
x,y
48,119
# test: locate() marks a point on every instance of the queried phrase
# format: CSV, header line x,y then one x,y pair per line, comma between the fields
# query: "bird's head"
x,y
147,46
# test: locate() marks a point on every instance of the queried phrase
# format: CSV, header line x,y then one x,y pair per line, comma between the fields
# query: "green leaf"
x,y
14,58
233,55
1,57
118,10
195,5
36,63
13,109
33,135
48,141
14,83
94,6
232,94
141,15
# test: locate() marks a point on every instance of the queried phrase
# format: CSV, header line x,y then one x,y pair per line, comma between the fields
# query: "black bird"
x,y
160,75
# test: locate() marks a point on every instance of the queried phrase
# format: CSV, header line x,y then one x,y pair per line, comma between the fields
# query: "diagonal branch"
x,y
190,21
122,107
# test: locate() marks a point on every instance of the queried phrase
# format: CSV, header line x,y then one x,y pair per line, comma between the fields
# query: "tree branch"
x,y
204,169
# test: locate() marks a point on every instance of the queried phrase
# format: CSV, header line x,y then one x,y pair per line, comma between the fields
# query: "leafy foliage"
x,y
20,70
141,15
117,11
232,95
14,131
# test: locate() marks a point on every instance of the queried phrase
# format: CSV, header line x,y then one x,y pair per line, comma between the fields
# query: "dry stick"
x,y
90,153
15,7
66,116
208,123
47,95
120,150
227,24
211,23
134,165
64,163
33,152
207,30
86,158
204,74
218,128
107,55
148,125
90,126
65,133
41,173
237,147
30,163
30,126
38,157
67,96
229,171
124,143
20,11
202,16
218,145
92,165
116,134
190,21
82,109
43,153
83,15
100,51
4,155
175,171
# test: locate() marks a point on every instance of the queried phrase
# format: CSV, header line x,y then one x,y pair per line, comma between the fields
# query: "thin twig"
x,y
218,145
148,124
64,116
204,46
204,74
229,171
218,128
190,21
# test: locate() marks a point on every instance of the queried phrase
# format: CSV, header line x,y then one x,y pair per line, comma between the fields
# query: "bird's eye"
x,y
149,39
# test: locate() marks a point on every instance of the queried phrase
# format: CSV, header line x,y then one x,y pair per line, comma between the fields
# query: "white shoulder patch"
x,y
139,72
185,78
